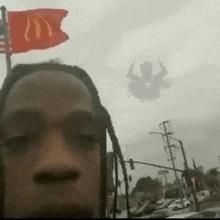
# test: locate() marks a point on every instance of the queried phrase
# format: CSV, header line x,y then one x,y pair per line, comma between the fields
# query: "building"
x,y
162,176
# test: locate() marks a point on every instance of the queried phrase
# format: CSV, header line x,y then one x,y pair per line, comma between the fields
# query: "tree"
x,y
213,172
147,185
169,185
211,179
201,169
190,175
176,183
172,193
173,190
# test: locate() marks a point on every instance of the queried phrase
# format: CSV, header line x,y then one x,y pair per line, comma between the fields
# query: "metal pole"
x,y
171,154
154,165
172,160
184,155
187,167
7,47
185,160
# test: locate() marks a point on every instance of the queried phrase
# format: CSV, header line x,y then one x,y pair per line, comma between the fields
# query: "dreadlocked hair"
x,y
22,70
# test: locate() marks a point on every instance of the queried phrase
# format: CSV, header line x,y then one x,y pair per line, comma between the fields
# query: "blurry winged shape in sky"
x,y
147,87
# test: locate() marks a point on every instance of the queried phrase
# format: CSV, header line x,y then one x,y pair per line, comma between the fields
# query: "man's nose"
x,y
57,164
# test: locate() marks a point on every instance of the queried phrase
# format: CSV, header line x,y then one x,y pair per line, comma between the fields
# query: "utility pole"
x,y
186,167
172,159
169,147
184,154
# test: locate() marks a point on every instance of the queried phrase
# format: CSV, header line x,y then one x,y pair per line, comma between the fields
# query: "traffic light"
x,y
130,178
131,164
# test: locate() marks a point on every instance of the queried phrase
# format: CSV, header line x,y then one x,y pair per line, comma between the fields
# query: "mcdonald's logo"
x,y
35,29
37,18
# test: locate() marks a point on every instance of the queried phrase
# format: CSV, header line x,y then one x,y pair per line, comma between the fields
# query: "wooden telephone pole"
x,y
172,158
169,147
186,167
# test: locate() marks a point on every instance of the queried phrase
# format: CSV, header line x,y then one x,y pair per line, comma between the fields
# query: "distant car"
x,y
133,209
166,203
187,215
136,209
146,209
162,213
211,213
161,201
118,211
203,195
177,204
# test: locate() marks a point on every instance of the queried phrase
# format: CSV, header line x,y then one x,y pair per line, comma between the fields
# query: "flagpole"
x,y
6,39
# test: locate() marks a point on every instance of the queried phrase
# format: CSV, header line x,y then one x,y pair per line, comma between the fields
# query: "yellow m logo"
x,y
36,17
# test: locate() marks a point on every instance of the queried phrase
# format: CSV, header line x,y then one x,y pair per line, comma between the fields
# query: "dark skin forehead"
x,y
57,93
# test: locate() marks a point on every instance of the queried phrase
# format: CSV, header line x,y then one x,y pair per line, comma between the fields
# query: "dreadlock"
x,y
22,70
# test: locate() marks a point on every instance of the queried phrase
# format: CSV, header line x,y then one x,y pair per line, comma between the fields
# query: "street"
x,y
124,214
203,206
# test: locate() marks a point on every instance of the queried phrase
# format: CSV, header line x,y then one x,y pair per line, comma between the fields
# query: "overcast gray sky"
x,y
106,36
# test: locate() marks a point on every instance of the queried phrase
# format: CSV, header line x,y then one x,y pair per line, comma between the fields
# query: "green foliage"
x,y
173,190
211,179
172,193
213,171
146,185
175,183
169,185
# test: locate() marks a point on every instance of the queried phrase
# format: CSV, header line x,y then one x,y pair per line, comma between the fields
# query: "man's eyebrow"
x,y
39,115
22,114
86,116
80,114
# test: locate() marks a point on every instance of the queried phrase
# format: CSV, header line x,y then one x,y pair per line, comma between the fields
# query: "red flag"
x,y
36,29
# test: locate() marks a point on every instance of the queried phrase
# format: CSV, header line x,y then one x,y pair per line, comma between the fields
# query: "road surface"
x,y
124,214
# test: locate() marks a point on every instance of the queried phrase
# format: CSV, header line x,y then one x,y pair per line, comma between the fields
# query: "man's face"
x,y
50,148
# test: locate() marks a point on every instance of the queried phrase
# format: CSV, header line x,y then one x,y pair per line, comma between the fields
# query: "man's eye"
x,y
86,138
18,142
